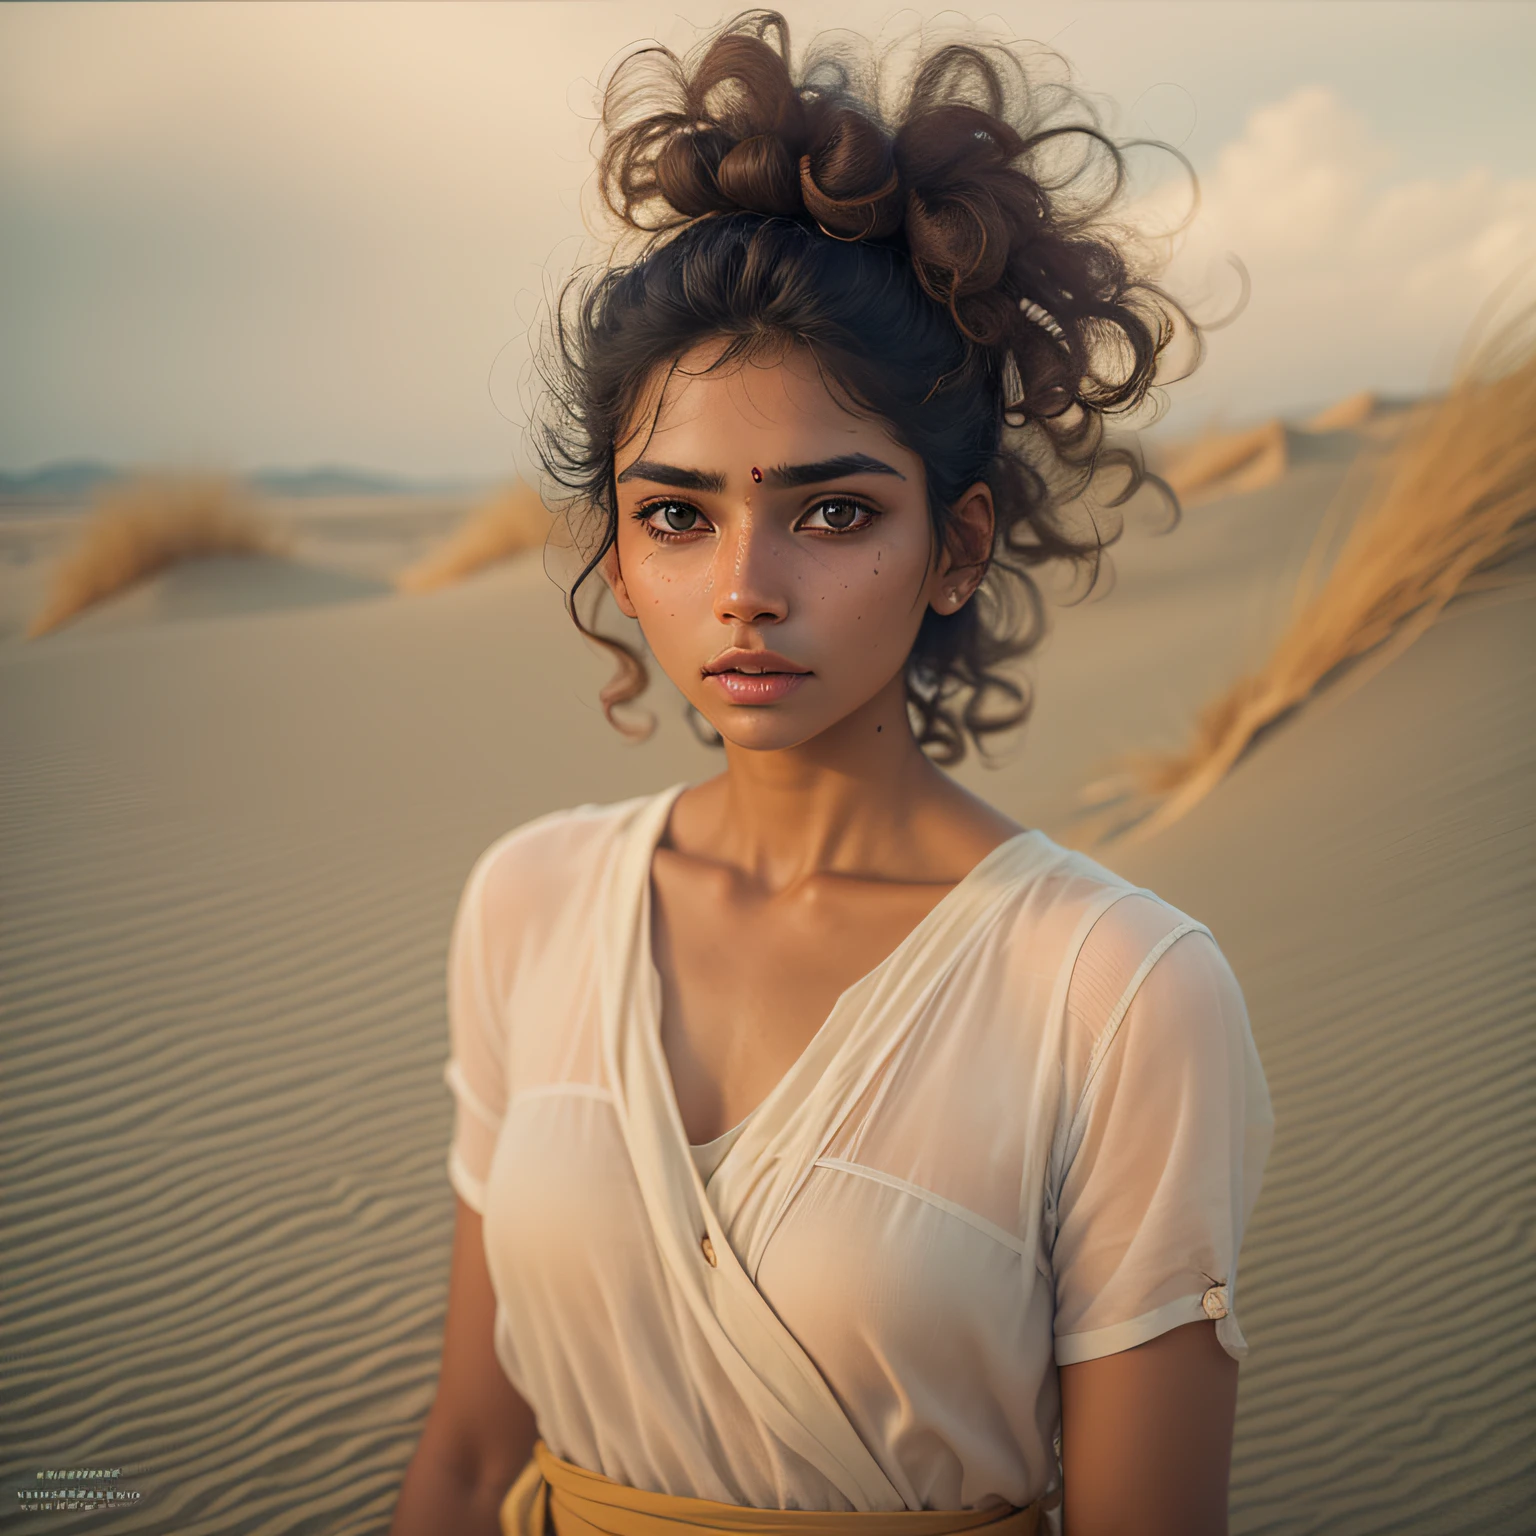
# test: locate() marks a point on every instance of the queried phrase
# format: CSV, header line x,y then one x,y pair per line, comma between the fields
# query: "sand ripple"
x,y
229,854
1381,921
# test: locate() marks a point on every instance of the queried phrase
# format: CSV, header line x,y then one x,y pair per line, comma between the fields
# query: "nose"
x,y
748,584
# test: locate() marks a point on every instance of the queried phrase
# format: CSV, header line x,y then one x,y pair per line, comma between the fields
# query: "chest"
x,y
930,1324
748,980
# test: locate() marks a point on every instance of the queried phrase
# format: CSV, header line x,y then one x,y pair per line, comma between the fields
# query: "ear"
x,y
967,550
610,572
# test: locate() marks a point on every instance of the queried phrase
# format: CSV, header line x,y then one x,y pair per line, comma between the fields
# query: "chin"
x,y
763,735
765,729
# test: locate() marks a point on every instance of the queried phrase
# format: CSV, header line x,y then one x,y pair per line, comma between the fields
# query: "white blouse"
x,y
1032,1135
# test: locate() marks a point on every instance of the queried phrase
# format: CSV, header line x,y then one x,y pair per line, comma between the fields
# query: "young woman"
x,y
832,1151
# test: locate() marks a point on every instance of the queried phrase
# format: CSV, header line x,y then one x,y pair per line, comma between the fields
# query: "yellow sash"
x,y
551,1494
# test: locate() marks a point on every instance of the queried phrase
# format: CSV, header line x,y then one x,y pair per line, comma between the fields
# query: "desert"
x,y
242,792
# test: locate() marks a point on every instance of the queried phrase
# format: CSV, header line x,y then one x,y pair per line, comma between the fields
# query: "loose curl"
x,y
952,272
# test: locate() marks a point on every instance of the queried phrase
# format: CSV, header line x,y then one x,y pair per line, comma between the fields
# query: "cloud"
x,y
1362,277
251,234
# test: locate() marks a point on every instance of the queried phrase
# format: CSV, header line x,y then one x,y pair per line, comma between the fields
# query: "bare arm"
x,y
479,1433
1146,1438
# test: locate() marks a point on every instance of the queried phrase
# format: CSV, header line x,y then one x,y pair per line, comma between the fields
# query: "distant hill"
x,y
66,478
337,480
73,479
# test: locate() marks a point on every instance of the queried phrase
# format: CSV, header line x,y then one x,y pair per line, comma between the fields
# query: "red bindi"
x,y
757,474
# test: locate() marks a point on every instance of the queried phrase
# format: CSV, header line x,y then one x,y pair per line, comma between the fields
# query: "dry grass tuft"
x,y
510,524
1225,463
1346,414
1456,498
147,525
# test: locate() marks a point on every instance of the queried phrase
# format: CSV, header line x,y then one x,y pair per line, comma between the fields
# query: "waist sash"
x,y
551,1495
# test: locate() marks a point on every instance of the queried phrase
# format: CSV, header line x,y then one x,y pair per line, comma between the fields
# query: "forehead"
x,y
763,402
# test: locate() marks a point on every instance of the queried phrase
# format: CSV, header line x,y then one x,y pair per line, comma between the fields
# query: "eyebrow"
x,y
785,476
671,474
789,476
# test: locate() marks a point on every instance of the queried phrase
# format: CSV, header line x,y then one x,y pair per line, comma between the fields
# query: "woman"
x,y
827,1143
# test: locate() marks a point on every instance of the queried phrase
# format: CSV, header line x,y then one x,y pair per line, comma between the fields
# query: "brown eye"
x,y
669,517
838,517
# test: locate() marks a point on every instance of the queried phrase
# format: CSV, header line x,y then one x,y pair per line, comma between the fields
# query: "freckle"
x,y
878,729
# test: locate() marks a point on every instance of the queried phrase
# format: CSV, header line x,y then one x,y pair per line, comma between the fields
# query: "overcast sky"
x,y
245,235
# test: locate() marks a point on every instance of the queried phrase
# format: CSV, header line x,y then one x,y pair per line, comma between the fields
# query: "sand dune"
x,y
229,853
1343,415
1220,464
149,525
337,548
215,586
1367,869
1455,502
1227,463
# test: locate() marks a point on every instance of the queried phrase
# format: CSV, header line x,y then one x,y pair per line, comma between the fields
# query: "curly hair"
x,y
952,272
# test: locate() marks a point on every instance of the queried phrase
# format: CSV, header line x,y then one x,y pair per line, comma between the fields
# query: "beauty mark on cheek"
x,y
757,474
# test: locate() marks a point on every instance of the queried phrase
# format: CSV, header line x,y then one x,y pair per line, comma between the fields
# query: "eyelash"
x,y
646,510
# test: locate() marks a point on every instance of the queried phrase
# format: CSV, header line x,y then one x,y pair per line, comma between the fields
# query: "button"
x,y
1215,1302
709,1251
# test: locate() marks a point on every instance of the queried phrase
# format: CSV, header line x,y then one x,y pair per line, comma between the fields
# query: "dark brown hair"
x,y
950,271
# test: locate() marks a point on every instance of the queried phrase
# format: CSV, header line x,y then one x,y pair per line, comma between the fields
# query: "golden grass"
x,y
147,525
509,524
1225,463
1344,415
1455,498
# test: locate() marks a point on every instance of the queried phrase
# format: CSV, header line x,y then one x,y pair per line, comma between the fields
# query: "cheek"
x,y
871,597
665,585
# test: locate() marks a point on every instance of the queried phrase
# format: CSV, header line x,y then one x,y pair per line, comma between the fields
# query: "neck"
x,y
845,802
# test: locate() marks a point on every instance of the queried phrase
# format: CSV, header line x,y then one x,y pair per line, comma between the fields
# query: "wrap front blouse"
x,y
1032,1135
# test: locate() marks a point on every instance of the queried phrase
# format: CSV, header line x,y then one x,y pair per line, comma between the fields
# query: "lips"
x,y
755,677
753,663
756,687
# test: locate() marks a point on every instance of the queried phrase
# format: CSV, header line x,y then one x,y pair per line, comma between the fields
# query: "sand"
x,y
235,815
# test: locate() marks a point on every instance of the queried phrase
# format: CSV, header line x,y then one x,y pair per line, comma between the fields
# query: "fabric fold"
x,y
774,1376
1035,1128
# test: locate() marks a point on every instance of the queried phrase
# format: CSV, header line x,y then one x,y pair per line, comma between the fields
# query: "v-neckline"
x,y
743,1127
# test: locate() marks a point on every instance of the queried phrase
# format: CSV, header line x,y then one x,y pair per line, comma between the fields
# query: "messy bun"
x,y
951,269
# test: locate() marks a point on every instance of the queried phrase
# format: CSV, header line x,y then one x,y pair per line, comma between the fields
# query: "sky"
x,y
243,235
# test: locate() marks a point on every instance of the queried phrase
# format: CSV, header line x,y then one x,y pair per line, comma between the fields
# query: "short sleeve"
x,y
1165,1148
475,1070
